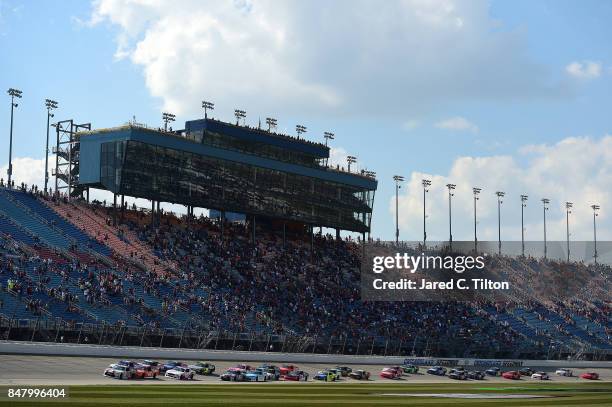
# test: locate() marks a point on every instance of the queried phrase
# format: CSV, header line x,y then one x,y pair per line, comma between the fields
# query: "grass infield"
x,y
328,394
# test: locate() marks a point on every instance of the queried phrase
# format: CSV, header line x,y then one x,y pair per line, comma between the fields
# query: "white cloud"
x,y
584,69
27,170
457,123
576,169
319,56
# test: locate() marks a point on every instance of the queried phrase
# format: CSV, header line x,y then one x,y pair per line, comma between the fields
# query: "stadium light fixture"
x,y
476,192
545,202
51,105
13,93
523,206
167,117
595,214
299,129
328,136
500,201
398,180
207,106
240,114
451,188
568,210
350,160
426,184
271,122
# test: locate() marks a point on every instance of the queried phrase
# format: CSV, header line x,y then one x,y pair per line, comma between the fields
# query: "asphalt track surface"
x,y
27,370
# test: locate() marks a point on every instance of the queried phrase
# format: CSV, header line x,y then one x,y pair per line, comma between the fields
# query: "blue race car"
x,y
171,364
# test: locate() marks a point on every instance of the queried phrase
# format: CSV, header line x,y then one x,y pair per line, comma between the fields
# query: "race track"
x,y
66,370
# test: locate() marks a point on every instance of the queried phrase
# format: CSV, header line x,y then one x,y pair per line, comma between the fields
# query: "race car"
x,y
171,364
391,373
257,375
564,372
144,371
475,375
590,376
117,371
274,371
129,365
494,371
540,376
436,370
180,373
326,376
151,363
285,369
526,371
243,366
511,375
337,372
233,375
344,370
360,375
296,376
410,369
202,368
457,374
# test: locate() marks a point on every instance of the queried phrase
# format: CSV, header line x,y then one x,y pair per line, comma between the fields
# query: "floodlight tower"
x,y
271,122
476,192
500,195
545,202
350,160
13,93
595,214
299,129
451,188
50,104
568,210
167,117
426,184
207,106
523,206
239,114
328,136
398,179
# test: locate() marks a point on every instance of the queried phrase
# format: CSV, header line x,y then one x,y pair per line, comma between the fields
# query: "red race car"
x,y
590,376
512,375
391,373
144,371
296,376
286,369
241,367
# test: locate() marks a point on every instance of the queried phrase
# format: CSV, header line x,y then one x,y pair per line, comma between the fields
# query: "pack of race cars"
x,y
127,369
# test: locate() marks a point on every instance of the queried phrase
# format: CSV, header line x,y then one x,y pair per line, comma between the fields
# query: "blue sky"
x,y
440,89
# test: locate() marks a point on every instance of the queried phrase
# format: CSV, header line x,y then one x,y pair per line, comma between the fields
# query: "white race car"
x,y
564,372
256,376
540,376
180,373
117,371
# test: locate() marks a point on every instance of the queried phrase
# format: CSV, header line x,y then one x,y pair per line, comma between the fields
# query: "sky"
x,y
505,96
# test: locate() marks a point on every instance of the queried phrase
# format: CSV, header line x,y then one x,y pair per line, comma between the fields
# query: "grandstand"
x,y
79,271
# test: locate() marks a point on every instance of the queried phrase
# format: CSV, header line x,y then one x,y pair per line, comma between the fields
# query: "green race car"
x,y
203,368
410,368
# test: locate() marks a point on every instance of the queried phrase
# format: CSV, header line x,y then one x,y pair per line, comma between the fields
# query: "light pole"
x,y
328,136
476,192
14,93
51,104
500,195
397,179
523,205
207,106
545,202
239,114
167,117
426,184
299,129
350,160
451,188
271,122
595,214
568,207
